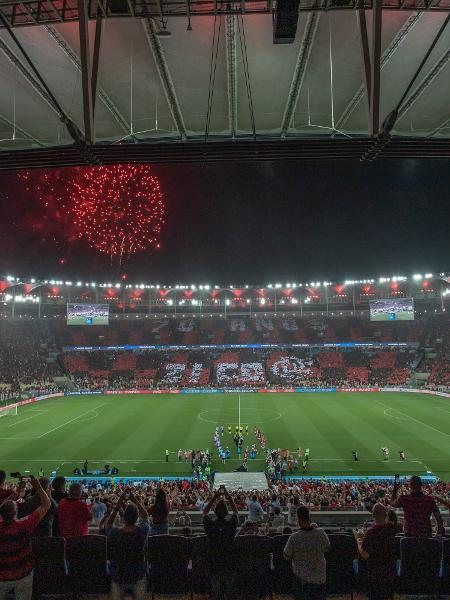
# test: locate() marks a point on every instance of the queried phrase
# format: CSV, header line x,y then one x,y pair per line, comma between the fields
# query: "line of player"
x,y
385,451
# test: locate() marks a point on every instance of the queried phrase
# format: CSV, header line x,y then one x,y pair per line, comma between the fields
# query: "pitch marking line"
x,y
412,418
37,414
71,420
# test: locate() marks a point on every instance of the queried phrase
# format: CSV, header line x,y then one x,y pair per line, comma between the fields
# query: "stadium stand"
x,y
423,562
35,355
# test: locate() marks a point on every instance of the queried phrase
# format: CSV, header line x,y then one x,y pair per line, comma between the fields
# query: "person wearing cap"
x,y
417,510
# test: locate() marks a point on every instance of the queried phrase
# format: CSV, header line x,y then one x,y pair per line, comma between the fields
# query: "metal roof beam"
x,y
86,72
386,57
103,96
444,125
96,59
71,127
365,51
231,47
375,59
27,75
22,132
164,75
432,74
300,70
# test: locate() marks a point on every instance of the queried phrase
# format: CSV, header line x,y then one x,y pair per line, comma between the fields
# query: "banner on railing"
x,y
242,346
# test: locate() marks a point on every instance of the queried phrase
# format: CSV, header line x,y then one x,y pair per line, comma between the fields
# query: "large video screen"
x,y
394,309
87,314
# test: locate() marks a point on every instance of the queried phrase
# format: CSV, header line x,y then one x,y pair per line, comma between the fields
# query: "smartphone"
x,y
222,489
15,475
25,478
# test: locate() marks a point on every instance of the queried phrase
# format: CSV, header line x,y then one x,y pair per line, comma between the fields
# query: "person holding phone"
x,y
16,556
221,531
417,510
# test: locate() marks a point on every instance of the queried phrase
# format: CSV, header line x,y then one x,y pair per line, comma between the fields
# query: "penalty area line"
x,y
70,421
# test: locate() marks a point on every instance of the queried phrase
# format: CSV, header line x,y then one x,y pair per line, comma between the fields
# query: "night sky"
x,y
238,223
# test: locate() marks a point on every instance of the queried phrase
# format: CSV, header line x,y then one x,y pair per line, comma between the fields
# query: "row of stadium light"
x,y
193,287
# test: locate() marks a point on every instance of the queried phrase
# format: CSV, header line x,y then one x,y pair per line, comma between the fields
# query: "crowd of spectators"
x,y
127,515
32,355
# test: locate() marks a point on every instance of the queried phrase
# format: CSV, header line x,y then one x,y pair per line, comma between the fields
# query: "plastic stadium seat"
x,y
420,565
252,556
340,573
50,574
390,566
201,583
168,557
282,576
446,565
87,563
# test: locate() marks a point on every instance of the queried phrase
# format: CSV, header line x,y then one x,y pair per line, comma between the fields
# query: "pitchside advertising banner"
x,y
221,391
243,346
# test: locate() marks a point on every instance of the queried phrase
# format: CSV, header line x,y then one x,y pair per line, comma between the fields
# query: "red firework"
x,y
118,210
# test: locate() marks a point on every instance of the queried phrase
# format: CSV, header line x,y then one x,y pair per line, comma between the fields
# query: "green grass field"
x,y
133,431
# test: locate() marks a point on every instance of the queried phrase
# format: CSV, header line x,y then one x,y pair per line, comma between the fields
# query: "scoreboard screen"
x,y
394,309
87,314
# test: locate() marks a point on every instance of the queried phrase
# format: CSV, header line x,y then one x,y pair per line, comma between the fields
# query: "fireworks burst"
x,y
118,210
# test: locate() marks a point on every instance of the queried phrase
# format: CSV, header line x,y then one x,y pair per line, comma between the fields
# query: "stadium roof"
x,y
218,87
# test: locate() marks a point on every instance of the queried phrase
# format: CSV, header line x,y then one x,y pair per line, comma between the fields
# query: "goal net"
x,y
8,410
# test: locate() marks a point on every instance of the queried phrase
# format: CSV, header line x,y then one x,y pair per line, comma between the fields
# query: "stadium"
x,y
224,299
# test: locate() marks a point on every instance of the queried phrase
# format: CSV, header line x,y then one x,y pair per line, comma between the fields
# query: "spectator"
x,y
127,547
255,511
377,547
417,510
278,519
16,557
99,510
59,489
293,505
392,518
306,549
73,514
4,491
221,532
160,513
45,527
249,528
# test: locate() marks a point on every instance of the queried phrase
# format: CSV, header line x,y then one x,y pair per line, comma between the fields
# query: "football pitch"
x,y
132,432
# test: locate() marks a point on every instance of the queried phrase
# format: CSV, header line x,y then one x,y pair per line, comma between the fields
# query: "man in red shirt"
x,y
16,557
417,510
377,548
73,514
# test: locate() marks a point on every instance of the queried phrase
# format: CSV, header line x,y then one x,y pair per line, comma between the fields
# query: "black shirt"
x,y
221,534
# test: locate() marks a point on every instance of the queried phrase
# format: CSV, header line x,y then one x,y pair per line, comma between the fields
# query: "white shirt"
x,y
306,549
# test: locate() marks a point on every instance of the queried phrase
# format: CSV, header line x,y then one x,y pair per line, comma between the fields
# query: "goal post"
x,y
8,410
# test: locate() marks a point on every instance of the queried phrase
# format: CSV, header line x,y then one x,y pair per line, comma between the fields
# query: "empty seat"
x,y
340,572
252,556
87,563
168,557
49,566
420,565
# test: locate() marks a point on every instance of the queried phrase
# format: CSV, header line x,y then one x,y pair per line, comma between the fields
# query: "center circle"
x,y
208,416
